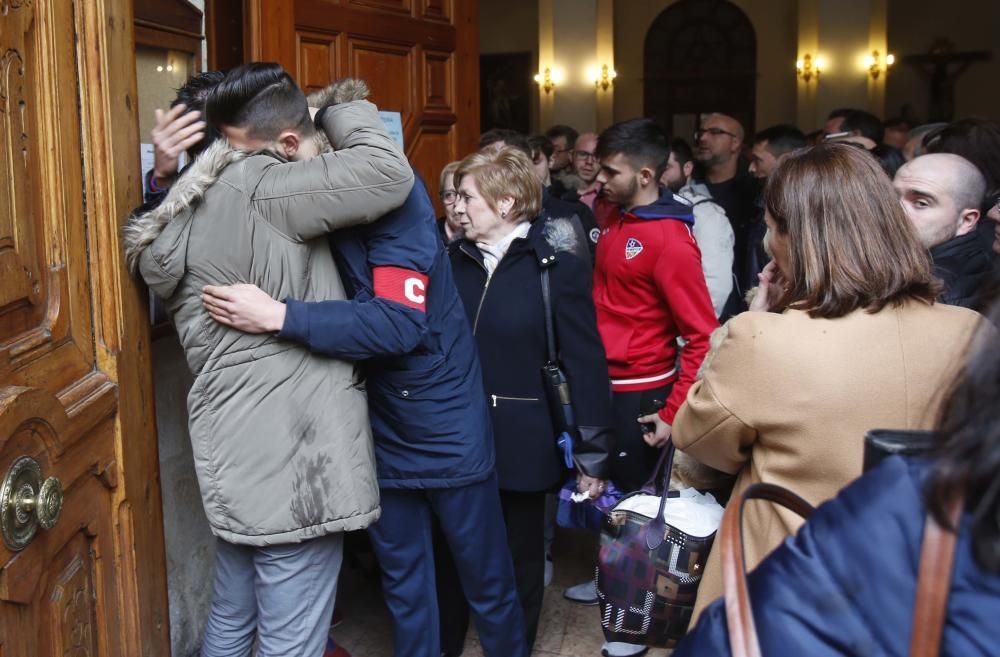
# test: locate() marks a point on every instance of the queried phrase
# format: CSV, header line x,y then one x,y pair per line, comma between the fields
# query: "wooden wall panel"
x,y
75,388
436,10
389,71
394,6
419,57
434,150
439,83
317,60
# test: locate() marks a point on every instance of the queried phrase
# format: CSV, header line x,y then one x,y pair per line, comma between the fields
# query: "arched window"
x,y
700,56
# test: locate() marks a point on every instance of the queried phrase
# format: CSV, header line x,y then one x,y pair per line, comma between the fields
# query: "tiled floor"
x,y
566,629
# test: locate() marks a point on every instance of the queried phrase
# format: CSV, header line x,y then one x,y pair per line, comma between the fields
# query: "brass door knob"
x,y
27,503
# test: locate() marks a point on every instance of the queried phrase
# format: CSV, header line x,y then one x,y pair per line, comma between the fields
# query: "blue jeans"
x,y
473,524
280,595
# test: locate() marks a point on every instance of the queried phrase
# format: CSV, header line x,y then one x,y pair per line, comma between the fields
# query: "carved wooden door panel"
x,y
419,57
82,569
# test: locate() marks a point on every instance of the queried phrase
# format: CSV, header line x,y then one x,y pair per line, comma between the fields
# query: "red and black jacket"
x,y
649,290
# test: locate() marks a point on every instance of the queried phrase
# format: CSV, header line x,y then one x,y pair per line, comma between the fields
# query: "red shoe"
x,y
333,650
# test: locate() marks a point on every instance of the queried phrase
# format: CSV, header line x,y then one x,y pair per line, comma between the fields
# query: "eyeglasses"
x,y
715,132
583,156
449,197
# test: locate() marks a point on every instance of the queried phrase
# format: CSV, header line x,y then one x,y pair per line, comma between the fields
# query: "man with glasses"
x,y
718,146
587,167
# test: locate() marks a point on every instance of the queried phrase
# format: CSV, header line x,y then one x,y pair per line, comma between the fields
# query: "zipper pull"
x,y
494,400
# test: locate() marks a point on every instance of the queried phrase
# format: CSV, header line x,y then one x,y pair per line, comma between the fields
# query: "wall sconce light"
x,y
549,78
873,63
603,77
808,68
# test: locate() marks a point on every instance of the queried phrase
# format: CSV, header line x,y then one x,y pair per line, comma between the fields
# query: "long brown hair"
x,y
850,244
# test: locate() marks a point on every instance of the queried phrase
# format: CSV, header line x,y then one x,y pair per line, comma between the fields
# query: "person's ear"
x,y
289,143
967,221
504,205
646,176
687,169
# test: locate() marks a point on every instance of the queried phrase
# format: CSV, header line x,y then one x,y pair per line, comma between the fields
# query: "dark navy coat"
x,y
425,388
508,322
846,584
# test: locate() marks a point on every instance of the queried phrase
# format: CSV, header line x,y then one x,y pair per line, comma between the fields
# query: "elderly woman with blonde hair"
x,y
498,265
843,336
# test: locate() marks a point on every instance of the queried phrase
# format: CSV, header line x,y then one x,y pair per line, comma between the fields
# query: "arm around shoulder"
x,y
363,178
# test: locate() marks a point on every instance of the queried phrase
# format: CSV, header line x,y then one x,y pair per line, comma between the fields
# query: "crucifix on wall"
x,y
941,67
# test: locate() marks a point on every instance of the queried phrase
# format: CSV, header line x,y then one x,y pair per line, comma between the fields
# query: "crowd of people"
x,y
363,364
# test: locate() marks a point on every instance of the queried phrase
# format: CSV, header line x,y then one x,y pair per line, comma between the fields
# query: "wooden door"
x,y
75,388
419,57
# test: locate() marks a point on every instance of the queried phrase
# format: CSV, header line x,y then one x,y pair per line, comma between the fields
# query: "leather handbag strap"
x,y
550,332
937,556
657,527
739,616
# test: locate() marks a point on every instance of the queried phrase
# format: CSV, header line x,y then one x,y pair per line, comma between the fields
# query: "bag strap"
x,y
657,527
937,556
550,332
739,616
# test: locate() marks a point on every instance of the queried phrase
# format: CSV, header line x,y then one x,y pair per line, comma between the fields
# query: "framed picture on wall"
x,y
505,88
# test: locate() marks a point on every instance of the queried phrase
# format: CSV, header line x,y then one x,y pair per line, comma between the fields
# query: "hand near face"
x,y
175,132
770,289
243,307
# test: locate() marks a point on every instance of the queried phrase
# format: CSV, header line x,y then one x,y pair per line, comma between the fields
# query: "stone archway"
x,y
700,56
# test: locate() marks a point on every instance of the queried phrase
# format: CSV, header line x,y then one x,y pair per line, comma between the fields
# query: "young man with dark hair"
x,y
433,435
835,121
281,439
770,144
649,290
859,123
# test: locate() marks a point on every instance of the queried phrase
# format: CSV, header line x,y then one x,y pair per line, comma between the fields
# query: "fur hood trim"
x,y
185,194
560,235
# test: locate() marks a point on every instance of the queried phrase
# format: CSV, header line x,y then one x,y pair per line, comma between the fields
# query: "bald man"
x,y
718,147
942,194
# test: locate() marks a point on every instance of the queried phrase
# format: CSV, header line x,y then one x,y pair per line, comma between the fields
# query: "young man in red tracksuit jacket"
x,y
649,290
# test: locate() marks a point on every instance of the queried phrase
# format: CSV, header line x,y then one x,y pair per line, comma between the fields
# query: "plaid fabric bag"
x,y
648,571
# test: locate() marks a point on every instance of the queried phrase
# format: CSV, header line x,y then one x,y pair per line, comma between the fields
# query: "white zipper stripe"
x,y
648,379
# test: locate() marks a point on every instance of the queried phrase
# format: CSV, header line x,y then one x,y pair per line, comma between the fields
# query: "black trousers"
x,y
524,516
632,460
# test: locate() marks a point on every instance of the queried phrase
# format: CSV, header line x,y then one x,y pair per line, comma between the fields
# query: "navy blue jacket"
x,y
507,316
846,584
425,387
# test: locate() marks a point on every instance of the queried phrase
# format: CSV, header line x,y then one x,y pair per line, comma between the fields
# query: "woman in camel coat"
x,y
843,336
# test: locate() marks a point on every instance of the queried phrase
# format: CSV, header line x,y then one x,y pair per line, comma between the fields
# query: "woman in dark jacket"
x,y
846,584
498,269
